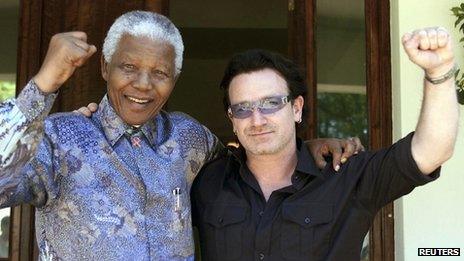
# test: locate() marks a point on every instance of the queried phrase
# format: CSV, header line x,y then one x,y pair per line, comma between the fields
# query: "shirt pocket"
x,y
225,224
305,232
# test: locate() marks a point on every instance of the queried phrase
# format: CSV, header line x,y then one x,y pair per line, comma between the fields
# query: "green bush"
x,y
458,11
7,90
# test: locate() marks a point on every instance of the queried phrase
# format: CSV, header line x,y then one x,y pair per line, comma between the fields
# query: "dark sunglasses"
x,y
264,106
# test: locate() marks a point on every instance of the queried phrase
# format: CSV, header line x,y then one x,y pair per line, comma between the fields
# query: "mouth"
x,y
138,100
260,133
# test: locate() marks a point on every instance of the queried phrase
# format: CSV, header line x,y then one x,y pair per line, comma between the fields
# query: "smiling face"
x,y
140,78
264,134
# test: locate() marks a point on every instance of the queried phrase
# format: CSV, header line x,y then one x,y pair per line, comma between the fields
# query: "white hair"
x,y
144,24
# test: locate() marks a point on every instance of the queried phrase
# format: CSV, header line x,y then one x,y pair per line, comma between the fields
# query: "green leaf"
x,y
458,21
461,28
455,10
462,6
461,97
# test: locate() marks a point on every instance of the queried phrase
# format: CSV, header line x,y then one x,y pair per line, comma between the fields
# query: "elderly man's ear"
x,y
104,68
339,149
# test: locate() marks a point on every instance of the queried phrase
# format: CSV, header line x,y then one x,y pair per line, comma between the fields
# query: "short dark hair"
x,y
256,60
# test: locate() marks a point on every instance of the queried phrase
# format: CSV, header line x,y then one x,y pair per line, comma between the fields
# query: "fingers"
x,y
93,107
318,149
431,49
442,37
87,111
320,160
349,148
81,44
432,36
426,39
84,111
411,44
82,55
339,149
78,34
336,156
359,147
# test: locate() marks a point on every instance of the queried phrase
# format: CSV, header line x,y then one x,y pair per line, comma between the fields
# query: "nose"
x,y
257,118
143,81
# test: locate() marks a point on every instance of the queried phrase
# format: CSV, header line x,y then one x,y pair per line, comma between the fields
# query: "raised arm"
x,y
436,131
22,119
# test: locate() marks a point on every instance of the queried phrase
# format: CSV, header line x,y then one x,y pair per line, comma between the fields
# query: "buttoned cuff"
x,y
34,103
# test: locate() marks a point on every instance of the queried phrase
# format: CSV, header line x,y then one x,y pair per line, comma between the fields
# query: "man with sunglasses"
x,y
267,201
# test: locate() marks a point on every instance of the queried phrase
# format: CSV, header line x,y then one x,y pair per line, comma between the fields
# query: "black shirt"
x,y
323,215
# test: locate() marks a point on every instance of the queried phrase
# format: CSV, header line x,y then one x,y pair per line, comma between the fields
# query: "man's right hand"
x,y
66,52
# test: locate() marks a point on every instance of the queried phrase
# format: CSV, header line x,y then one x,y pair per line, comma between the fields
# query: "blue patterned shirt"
x,y
99,195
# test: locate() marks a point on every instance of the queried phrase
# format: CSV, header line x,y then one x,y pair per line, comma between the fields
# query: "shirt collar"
x,y
114,127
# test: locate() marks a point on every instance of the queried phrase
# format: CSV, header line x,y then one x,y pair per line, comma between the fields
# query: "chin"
x,y
133,121
262,150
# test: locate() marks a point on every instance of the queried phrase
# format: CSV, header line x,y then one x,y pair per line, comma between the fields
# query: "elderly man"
x,y
266,201
114,186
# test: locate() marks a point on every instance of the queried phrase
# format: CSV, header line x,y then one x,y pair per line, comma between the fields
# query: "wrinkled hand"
x,y
87,111
431,49
339,149
66,52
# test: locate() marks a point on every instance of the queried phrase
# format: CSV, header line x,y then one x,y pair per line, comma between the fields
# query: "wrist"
x,y
441,70
44,84
441,74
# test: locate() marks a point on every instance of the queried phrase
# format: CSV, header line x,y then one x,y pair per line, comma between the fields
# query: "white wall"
x,y
432,215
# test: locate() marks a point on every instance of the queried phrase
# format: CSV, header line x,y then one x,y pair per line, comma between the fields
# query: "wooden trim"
x,y
378,82
29,41
302,49
22,238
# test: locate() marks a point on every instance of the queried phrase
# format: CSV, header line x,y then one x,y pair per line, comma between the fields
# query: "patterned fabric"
x,y
97,196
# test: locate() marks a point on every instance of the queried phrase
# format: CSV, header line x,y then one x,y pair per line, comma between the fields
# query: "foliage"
x,y
342,115
7,90
458,11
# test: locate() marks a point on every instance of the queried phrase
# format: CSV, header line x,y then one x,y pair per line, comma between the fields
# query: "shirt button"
x,y
261,256
220,220
261,213
307,220
296,177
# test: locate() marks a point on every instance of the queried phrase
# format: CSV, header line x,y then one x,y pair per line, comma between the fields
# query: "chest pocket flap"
x,y
220,215
308,214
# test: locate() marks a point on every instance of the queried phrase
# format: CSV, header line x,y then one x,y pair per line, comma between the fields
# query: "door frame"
x,y
302,25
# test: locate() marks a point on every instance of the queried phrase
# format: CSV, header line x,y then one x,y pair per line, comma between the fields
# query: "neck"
x,y
273,171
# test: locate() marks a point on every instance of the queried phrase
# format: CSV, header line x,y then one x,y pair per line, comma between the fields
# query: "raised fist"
x,y
66,52
431,49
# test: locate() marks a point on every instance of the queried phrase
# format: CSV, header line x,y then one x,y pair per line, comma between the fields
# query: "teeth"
x,y
137,100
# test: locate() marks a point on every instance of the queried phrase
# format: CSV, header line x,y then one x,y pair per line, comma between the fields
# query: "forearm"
x,y
435,136
22,125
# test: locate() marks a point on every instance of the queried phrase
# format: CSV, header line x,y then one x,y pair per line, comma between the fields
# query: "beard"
x,y
263,140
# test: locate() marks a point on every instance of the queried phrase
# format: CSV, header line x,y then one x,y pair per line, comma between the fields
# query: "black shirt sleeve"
x,y
389,174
